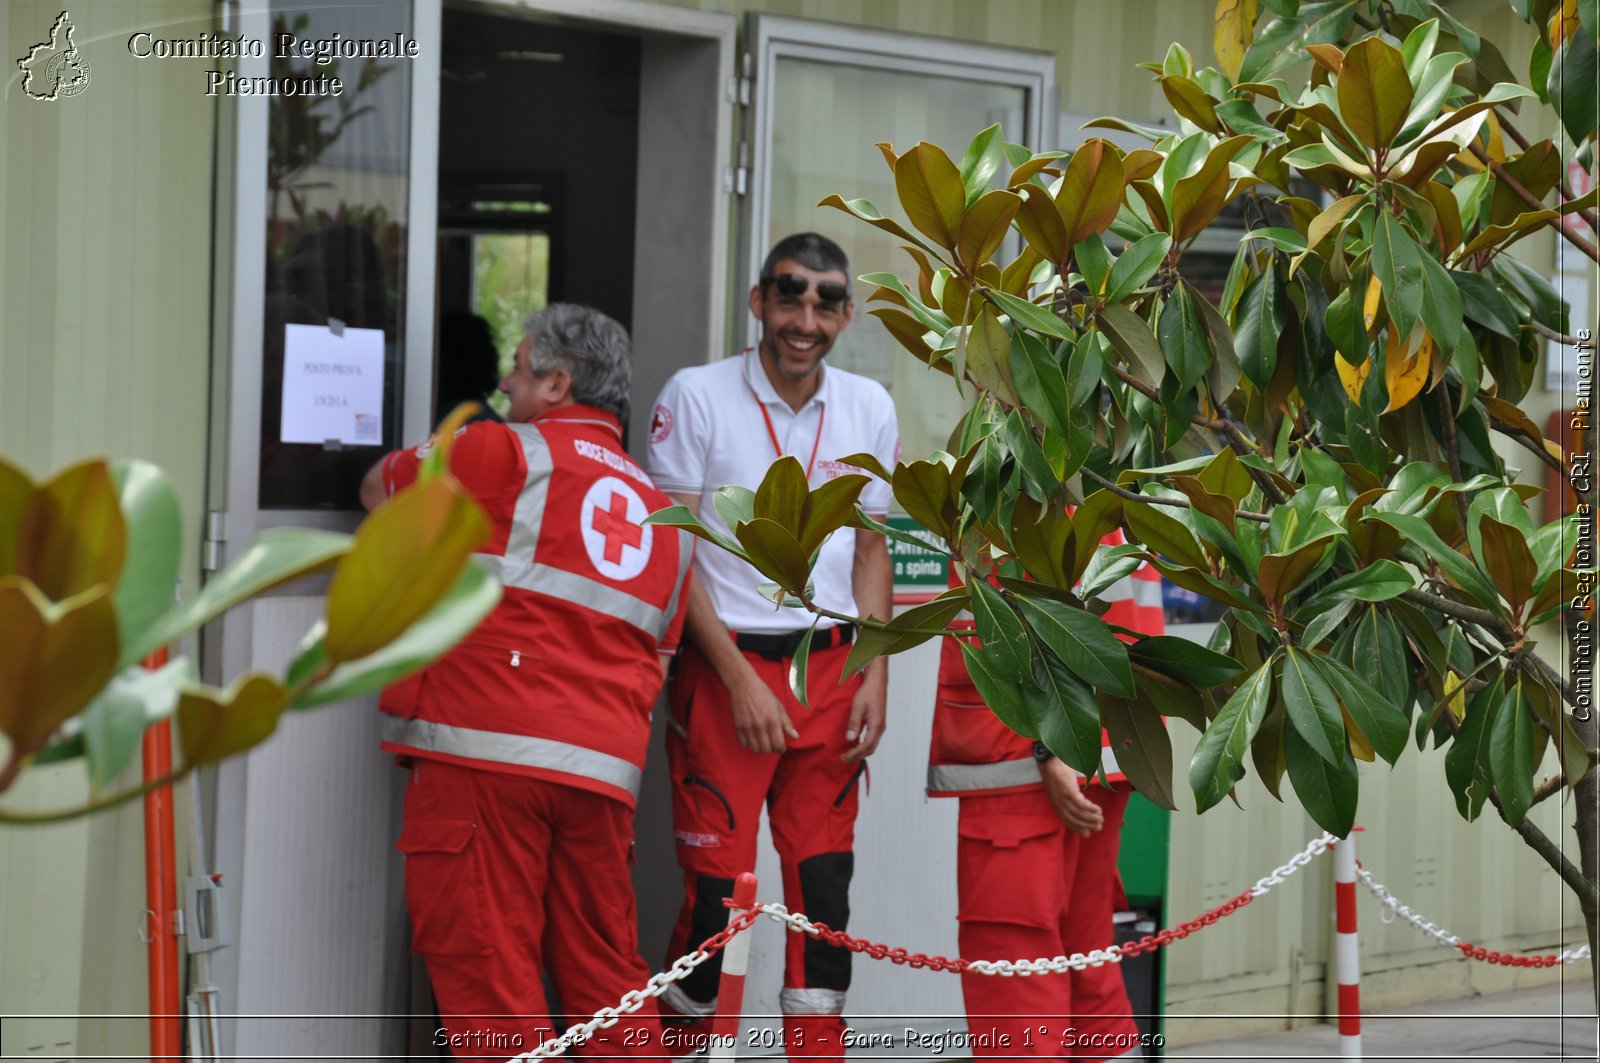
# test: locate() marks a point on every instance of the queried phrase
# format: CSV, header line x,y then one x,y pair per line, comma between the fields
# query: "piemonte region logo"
x,y
55,68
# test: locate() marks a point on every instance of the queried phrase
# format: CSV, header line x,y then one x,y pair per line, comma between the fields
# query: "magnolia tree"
x,y
1315,450
88,563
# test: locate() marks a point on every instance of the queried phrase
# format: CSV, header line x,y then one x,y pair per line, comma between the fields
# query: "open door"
x,y
325,361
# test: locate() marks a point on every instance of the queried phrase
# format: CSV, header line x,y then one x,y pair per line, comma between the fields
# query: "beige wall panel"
x,y
104,305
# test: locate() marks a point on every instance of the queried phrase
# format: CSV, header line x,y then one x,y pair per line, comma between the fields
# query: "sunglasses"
x,y
830,292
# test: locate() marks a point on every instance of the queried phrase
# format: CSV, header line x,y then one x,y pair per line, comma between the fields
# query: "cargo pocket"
x,y
444,886
1009,871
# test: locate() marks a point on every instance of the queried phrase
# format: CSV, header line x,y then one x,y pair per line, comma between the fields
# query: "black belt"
x,y
784,646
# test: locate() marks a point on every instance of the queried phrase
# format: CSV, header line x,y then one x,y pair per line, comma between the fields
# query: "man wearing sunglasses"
x,y
737,737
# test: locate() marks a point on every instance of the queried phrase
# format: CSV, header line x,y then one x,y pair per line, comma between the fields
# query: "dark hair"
x,y
811,250
591,347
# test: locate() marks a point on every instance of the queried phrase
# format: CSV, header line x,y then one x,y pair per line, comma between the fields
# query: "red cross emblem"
x,y
660,424
619,531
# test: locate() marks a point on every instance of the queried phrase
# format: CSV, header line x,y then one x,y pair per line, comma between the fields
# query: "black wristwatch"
x,y
1041,752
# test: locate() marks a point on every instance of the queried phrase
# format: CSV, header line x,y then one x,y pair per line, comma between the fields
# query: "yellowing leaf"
x,y
1563,23
1235,25
1360,747
214,725
1455,697
1352,376
1369,305
1406,369
54,658
406,555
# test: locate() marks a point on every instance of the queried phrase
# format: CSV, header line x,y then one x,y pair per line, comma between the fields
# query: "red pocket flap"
x,y
440,834
1007,832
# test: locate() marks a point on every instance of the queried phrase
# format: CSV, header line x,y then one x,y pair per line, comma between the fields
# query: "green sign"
x,y
916,566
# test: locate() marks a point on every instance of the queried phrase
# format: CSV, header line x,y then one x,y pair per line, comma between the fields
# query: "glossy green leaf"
x,y
781,495
1328,791
1378,582
1382,724
1040,222
1005,695
1218,761
999,629
115,722
864,210
980,161
406,555
829,508
1397,261
1083,642
1132,338
1574,73
1482,301
775,553
1135,266
800,666
1195,200
1067,717
922,488
276,557
1441,304
1313,709
1040,383
1457,567
1258,324
154,523
1511,763
683,517
1031,316
1138,739
734,505
1184,660
1466,762
451,619
988,353
54,659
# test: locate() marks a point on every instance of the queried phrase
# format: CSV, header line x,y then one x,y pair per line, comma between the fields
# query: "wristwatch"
x,y
1041,752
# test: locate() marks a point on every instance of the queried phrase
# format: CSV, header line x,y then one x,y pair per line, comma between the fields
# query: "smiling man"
x,y
738,738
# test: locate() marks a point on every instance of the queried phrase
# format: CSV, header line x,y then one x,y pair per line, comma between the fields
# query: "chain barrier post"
x,y
161,889
730,990
1347,961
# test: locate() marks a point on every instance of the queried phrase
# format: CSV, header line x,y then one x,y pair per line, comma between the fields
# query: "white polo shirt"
x,y
708,432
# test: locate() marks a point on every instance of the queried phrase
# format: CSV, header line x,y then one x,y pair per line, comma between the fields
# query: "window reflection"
x,y
337,182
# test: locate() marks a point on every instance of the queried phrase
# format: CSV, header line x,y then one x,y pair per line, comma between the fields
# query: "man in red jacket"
x,y
1036,865
527,742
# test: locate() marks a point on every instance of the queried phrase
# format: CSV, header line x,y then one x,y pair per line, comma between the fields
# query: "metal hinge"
x,y
216,538
736,179
738,90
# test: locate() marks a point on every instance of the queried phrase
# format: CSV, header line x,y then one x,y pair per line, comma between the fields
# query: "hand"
x,y
1081,815
867,718
759,718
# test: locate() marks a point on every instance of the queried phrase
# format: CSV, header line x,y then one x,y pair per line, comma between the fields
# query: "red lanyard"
x,y
772,433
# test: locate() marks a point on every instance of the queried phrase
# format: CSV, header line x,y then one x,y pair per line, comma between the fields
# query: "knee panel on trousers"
x,y
708,916
825,887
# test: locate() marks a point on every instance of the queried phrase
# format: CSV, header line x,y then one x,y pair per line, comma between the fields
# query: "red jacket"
x,y
972,752
559,680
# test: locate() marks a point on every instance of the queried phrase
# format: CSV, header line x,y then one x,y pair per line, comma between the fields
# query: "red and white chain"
x,y
1444,937
634,999
1301,859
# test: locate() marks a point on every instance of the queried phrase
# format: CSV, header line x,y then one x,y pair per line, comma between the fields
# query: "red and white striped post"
x,y
1347,962
730,991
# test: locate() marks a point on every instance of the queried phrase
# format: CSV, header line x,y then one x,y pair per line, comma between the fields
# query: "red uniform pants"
x,y
718,788
506,877
1029,887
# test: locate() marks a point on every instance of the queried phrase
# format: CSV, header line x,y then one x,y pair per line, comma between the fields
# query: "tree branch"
x,y
1572,236
1460,610
1588,892
1549,333
1176,503
1550,787
1566,189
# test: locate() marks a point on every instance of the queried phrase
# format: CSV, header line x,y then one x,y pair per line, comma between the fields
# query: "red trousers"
x,y
507,877
1028,887
718,789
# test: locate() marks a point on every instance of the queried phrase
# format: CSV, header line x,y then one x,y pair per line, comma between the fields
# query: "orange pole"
x,y
161,891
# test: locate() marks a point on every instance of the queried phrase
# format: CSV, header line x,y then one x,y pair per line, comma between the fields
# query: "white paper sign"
x,y
332,385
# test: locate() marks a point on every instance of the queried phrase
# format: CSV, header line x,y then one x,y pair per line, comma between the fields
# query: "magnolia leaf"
x,y
154,523
71,536
1091,189
214,725
984,226
406,555
1132,338
1374,91
54,658
1083,642
1328,790
930,189
1218,761
1138,739
1235,25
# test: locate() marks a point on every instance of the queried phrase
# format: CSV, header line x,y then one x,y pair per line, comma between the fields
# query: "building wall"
x,y
105,289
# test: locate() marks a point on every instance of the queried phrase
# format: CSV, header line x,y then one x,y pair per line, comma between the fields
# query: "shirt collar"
x,y
578,412
755,374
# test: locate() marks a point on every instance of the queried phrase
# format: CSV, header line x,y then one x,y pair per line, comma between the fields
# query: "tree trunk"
x,y
1587,825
